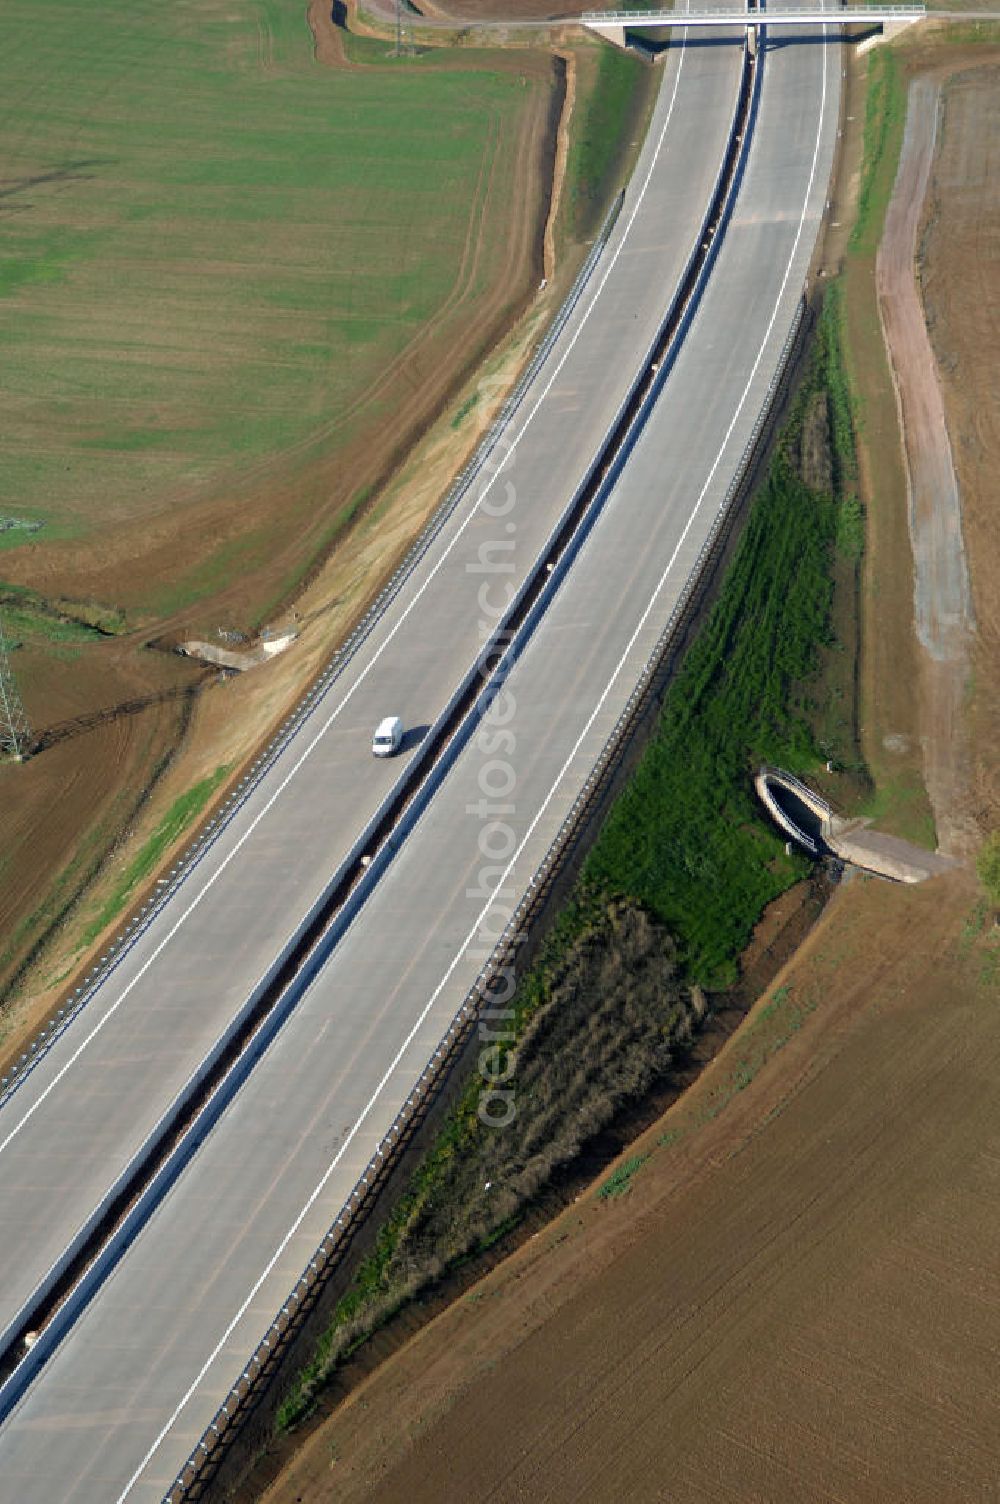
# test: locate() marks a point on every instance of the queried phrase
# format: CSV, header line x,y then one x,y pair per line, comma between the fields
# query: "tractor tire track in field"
x,y
327,50
472,247
142,691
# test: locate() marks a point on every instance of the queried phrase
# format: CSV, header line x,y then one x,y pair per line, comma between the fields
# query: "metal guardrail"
x,y
123,942
731,14
306,1289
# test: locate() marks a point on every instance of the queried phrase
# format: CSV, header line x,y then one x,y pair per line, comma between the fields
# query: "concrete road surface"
x,y
120,1405
75,1124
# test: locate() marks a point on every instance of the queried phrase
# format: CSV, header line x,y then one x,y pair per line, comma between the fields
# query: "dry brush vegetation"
x,y
594,1031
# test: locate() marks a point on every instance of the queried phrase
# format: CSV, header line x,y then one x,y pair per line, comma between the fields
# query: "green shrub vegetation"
x,y
597,1020
27,614
20,622
620,1180
988,866
686,839
601,137
830,376
178,817
885,115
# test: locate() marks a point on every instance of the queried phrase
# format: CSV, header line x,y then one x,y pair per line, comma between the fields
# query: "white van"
x,y
388,737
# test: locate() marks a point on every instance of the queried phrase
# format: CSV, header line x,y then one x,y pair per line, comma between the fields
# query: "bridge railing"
x,y
864,10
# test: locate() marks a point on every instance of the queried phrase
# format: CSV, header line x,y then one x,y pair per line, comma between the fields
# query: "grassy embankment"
x,y
888,675
88,856
178,818
668,896
988,867
25,614
609,116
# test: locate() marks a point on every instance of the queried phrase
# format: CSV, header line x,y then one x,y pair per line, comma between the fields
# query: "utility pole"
x,y
15,729
403,48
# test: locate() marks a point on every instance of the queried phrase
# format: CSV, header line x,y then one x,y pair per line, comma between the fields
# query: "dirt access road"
x,y
959,263
943,616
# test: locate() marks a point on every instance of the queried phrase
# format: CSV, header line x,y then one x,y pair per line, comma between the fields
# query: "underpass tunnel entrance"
x,y
800,815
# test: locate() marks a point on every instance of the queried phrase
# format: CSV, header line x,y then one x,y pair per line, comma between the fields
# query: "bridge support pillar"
x,y
889,30
610,32
892,29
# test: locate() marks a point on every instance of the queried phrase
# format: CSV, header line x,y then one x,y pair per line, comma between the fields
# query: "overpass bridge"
x,y
612,24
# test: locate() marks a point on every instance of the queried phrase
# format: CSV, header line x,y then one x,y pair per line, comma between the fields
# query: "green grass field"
x,y
177,819
608,115
213,244
885,114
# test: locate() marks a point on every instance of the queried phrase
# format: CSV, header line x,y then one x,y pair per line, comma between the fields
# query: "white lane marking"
x,y
113,1007
471,936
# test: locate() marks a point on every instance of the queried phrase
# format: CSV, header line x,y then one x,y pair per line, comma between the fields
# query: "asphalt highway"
x,y
122,1402
84,1112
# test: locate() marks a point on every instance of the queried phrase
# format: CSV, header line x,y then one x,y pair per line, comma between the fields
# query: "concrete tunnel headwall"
x,y
795,809
808,820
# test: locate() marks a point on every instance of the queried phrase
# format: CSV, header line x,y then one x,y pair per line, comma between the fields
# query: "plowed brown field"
x,y
960,282
794,1300
62,812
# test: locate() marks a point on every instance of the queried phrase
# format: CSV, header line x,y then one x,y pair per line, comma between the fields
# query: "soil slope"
x,y
960,282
